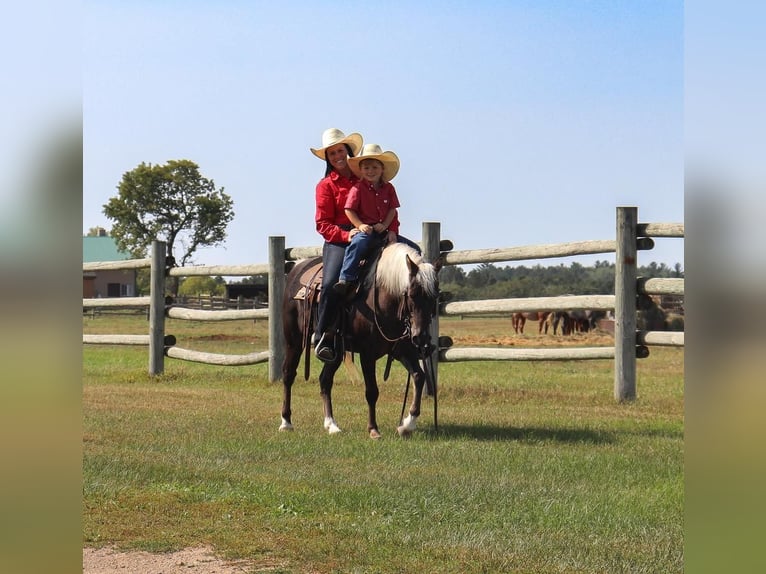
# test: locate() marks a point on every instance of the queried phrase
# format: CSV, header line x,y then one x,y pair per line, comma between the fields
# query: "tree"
x,y
202,285
452,274
96,232
171,203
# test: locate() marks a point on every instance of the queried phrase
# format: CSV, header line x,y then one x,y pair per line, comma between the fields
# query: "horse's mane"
x,y
393,275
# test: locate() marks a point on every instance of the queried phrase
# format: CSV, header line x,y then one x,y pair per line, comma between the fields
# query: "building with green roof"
x,y
108,282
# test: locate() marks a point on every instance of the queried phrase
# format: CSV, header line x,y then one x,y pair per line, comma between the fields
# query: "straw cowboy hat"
x,y
374,151
334,136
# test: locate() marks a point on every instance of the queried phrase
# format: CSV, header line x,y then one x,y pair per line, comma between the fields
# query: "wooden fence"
x,y
630,343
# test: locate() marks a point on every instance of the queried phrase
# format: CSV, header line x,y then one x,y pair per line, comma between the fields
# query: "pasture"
x,y
535,467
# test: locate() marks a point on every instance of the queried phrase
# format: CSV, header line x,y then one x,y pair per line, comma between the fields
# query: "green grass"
x,y
534,469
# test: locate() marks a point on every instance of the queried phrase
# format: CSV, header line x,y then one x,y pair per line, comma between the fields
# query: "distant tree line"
x,y
487,281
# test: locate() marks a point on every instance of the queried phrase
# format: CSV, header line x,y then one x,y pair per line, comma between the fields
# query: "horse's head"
x,y
421,303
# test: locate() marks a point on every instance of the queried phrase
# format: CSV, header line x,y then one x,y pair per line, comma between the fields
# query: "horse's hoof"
x,y
331,426
286,425
403,431
375,434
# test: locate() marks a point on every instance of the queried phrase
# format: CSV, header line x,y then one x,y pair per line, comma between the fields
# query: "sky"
x,y
516,122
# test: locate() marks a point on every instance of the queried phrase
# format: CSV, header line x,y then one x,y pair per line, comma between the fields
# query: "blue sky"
x,y
517,122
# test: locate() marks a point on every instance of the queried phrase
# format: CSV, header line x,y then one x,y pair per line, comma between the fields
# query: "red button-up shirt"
x,y
331,194
372,205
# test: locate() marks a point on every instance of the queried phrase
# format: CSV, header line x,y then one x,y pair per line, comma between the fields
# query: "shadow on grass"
x,y
526,434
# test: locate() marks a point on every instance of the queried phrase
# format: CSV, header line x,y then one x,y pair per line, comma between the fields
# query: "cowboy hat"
x,y
334,136
374,151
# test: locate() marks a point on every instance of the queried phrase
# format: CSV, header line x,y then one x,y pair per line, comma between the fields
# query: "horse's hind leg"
x,y
289,370
293,350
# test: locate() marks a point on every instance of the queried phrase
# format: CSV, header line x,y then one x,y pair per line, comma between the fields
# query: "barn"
x,y
106,283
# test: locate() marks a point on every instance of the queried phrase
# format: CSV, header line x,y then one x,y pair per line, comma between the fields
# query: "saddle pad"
x,y
311,279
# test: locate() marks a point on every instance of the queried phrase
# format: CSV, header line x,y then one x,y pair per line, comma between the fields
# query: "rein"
x,y
405,320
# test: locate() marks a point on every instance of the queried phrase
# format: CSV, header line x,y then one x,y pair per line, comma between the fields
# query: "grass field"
x,y
534,469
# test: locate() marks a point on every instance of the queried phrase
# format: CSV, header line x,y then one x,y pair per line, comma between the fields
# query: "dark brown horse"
x,y
390,314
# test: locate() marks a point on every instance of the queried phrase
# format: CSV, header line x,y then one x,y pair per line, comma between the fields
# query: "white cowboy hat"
x,y
334,136
374,151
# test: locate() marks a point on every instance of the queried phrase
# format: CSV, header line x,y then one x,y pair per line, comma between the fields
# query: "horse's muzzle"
x,y
423,344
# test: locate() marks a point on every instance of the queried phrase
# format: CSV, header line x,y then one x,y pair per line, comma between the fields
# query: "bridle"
x,y
404,316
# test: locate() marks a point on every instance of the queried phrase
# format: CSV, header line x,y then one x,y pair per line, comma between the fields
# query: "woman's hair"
x,y
329,167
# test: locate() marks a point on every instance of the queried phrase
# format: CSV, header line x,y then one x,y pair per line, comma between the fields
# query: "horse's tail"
x,y
308,326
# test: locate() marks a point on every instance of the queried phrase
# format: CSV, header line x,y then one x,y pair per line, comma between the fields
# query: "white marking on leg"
x,y
331,426
285,425
408,426
410,422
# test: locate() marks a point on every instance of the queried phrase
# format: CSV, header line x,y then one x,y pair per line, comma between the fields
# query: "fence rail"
x,y
630,343
569,302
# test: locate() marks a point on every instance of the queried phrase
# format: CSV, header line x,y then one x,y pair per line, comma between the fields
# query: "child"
x,y
371,206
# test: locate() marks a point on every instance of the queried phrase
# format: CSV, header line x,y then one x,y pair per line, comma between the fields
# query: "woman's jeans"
x,y
332,260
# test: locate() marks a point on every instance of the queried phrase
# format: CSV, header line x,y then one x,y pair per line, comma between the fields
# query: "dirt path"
x,y
187,561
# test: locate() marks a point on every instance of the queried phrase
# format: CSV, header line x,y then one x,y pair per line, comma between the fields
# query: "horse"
x,y
518,320
556,318
389,314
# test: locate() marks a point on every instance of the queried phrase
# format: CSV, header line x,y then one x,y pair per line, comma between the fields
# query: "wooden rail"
x,y
568,302
227,315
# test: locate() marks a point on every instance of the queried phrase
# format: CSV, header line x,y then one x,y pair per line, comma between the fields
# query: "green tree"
x,y
171,203
96,232
452,274
202,285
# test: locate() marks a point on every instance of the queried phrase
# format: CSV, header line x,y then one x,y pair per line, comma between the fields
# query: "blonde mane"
x,y
393,275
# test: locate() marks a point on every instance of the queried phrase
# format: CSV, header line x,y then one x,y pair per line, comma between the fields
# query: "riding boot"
x,y
325,348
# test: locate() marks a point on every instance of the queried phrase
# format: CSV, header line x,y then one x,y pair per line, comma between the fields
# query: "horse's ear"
x,y
438,264
413,267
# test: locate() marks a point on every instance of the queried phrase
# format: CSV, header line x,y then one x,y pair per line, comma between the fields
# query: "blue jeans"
x,y
332,260
360,245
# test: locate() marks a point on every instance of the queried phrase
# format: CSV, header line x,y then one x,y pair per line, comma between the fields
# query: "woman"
x,y
334,226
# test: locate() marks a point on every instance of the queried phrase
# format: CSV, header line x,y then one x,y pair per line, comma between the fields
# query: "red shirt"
x,y
331,196
372,205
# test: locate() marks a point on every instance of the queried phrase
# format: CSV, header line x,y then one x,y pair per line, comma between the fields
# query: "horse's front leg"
x,y
326,379
409,423
371,393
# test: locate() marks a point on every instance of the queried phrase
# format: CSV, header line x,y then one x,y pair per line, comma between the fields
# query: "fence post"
x,y
625,285
431,240
276,294
157,309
